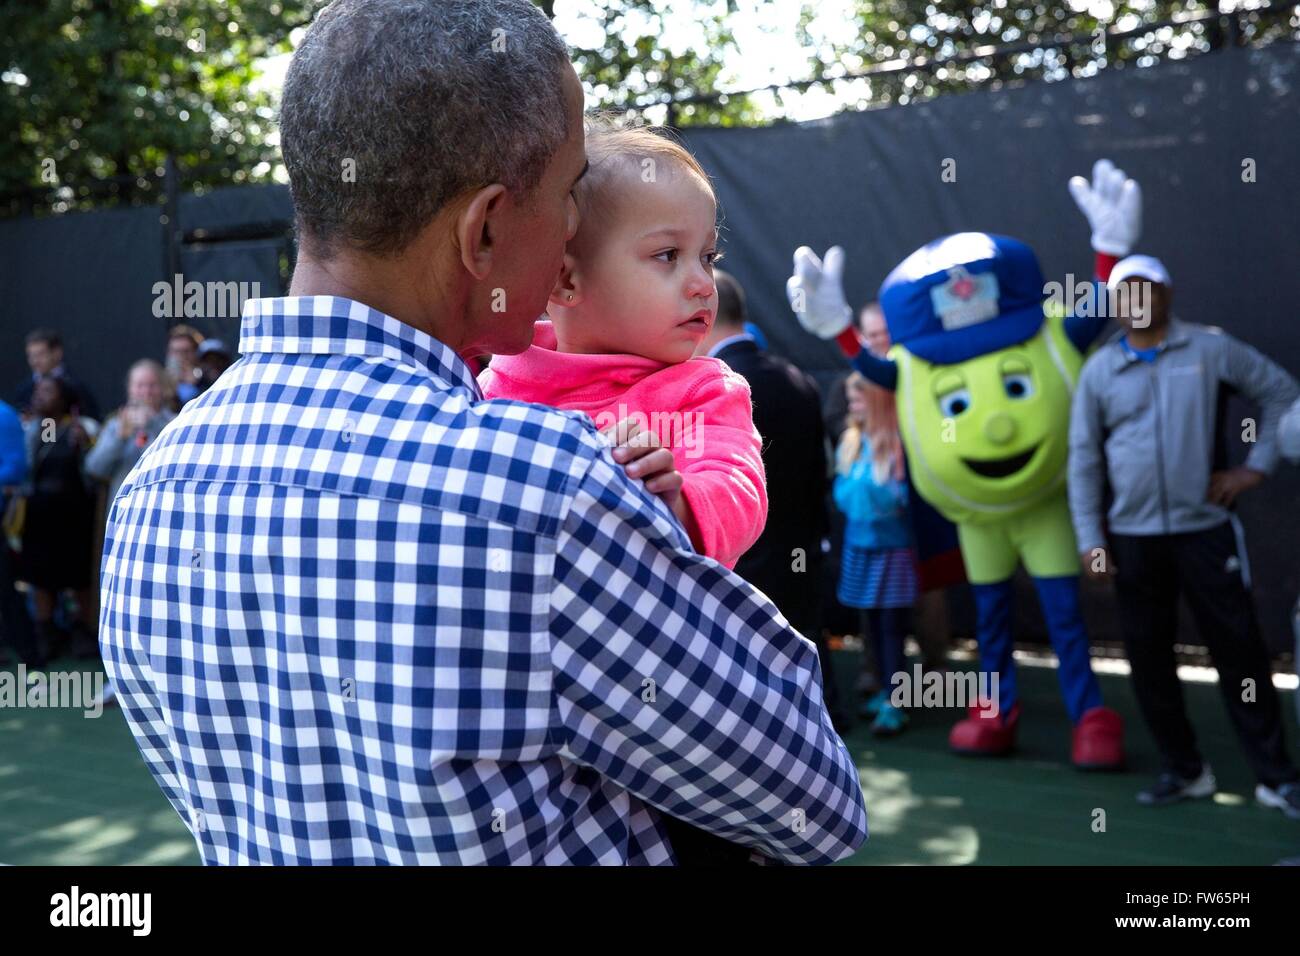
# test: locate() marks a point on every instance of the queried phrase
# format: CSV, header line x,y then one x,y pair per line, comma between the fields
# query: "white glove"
x,y
816,292
1113,205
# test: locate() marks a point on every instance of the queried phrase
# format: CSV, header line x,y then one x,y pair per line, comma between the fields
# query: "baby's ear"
x,y
568,287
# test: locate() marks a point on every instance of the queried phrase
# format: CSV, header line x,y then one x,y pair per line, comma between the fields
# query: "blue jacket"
x,y
13,448
877,513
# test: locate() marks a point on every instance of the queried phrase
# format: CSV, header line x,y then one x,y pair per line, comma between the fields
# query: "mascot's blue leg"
x,y
993,604
1059,597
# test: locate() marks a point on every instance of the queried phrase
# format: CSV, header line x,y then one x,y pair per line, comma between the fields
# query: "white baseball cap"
x,y
1142,267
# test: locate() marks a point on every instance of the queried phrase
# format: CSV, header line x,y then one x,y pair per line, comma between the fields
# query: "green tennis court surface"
x,y
74,791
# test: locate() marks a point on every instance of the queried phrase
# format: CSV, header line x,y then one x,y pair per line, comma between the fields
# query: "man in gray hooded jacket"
x,y
1144,424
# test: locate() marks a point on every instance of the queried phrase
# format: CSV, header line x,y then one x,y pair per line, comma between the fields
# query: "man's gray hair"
x,y
392,108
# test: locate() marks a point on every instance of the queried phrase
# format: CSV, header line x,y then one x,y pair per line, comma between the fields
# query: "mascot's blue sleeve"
x,y
1082,330
882,372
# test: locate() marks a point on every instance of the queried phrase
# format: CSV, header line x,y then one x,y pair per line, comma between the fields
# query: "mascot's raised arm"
x,y
983,371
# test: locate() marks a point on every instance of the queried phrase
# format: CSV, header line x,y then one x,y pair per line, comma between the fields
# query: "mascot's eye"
x,y
954,403
1018,385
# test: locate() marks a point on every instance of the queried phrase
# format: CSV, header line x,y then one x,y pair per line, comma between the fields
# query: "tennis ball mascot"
x,y
983,370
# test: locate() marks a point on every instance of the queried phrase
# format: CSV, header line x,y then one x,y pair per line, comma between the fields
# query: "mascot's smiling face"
x,y
987,437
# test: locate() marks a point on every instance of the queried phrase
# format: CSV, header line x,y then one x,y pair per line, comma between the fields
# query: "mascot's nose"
x,y
999,428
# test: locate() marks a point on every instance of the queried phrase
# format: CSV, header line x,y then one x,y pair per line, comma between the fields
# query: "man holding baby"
x,y
355,612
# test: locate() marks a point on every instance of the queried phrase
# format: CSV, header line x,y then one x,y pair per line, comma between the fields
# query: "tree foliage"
x,y
95,94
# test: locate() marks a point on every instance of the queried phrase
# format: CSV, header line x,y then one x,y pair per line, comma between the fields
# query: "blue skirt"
x,y
871,578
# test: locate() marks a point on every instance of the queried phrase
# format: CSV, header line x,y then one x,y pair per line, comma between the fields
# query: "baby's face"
x,y
643,271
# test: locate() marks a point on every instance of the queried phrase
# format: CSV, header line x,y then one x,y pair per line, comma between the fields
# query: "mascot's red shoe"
x,y
985,735
1099,740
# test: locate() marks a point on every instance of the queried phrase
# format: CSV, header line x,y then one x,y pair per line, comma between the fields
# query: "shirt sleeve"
x,y
888,500
720,457
13,448
108,452
128,661
1266,384
681,682
1087,467
844,490
1288,433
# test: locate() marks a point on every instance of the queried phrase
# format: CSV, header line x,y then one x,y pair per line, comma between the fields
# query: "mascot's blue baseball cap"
x,y
964,295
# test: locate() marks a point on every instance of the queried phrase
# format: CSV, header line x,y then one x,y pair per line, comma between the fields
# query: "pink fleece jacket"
x,y
700,409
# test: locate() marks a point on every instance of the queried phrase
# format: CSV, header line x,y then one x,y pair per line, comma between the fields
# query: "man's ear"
x,y
568,287
477,229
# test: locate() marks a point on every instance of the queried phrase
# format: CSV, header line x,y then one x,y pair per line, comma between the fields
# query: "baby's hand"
x,y
641,455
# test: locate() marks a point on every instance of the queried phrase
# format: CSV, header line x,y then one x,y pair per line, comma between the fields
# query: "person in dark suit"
x,y
45,358
785,562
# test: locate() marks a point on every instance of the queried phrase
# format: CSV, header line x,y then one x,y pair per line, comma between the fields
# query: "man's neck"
x,y
384,285
1148,337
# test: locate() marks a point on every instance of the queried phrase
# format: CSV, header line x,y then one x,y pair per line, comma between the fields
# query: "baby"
x,y
635,299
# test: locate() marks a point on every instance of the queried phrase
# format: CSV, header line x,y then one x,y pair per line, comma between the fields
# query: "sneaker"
x,y
871,707
1171,788
1284,797
890,720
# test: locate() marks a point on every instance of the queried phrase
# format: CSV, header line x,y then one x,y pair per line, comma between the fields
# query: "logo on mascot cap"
x,y
965,299
964,295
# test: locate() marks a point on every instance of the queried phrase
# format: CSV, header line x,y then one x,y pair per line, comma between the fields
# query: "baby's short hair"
x,y
637,149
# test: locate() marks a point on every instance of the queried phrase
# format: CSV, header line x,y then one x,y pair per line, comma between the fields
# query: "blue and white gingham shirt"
x,y
355,613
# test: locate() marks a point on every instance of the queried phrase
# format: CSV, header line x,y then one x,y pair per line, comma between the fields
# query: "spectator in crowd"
x,y
183,345
214,359
45,359
58,525
15,622
1144,423
786,560
133,427
939,564
878,565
